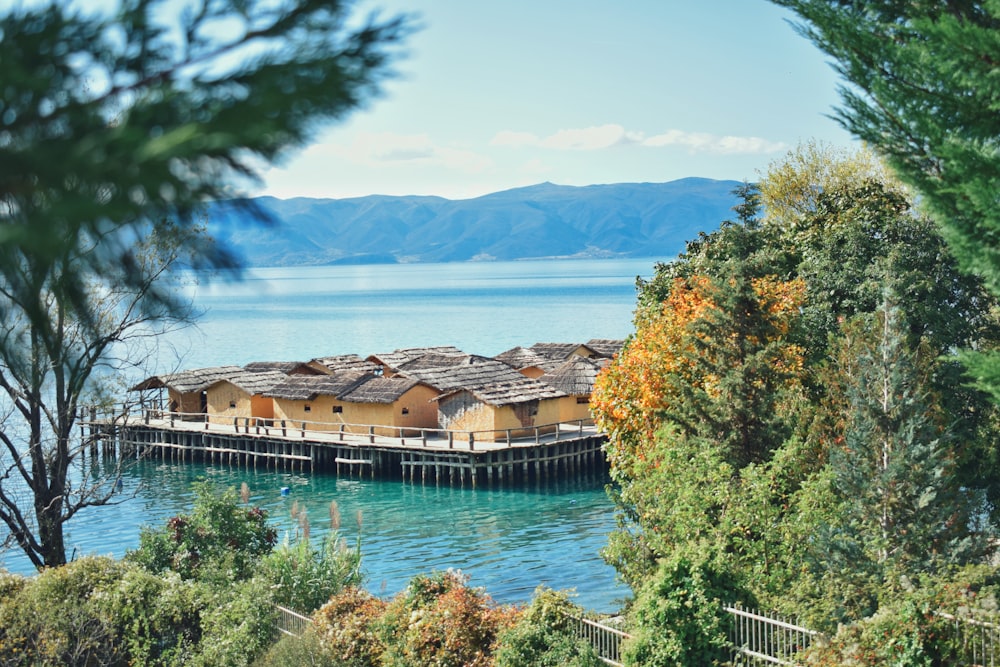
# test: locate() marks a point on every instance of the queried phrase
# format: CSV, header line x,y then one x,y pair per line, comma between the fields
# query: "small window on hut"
x,y
406,411
308,408
582,400
337,409
232,404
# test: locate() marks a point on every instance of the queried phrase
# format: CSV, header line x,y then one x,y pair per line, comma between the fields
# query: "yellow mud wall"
x,y
571,411
262,407
189,403
226,401
422,412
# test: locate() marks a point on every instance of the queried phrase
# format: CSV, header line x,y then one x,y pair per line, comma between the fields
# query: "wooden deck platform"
x,y
552,451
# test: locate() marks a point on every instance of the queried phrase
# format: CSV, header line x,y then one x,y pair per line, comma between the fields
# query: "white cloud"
x,y
590,138
514,139
702,142
388,149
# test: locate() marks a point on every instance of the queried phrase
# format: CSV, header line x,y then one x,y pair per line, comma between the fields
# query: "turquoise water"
x,y
507,540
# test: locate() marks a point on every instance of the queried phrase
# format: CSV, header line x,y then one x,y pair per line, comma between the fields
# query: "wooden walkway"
x,y
551,451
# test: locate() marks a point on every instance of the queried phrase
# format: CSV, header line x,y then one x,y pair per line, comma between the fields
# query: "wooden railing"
x,y
372,433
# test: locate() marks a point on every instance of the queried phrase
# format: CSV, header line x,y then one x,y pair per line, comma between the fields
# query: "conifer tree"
x,y
921,89
902,507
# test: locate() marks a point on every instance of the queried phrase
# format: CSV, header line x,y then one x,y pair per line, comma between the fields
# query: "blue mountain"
x,y
539,221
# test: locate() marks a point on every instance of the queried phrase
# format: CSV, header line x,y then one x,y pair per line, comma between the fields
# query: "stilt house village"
x,y
525,390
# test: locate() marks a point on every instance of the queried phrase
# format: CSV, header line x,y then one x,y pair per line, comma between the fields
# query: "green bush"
x,y
909,630
677,618
545,637
157,618
304,651
55,618
303,578
439,620
220,541
348,627
237,626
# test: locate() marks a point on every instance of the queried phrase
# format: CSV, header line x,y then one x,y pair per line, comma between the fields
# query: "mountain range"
x,y
534,222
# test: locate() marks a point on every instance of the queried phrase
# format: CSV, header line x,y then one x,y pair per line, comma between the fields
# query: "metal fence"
x,y
976,641
770,640
291,622
605,639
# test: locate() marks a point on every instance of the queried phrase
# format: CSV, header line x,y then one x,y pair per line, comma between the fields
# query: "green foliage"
x,y
348,627
677,617
157,618
303,577
305,651
238,624
921,79
56,619
117,124
544,636
220,541
910,629
440,620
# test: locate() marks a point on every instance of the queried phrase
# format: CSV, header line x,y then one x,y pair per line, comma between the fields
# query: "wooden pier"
x,y
547,452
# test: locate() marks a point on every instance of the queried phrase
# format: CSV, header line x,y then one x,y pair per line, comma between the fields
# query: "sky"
x,y
497,95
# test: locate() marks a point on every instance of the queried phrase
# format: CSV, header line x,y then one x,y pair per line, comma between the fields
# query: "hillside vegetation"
x,y
540,221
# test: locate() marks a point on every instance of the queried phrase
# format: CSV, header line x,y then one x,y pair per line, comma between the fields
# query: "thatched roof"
x,y
255,384
286,367
189,381
348,386
393,360
510,392
377,389
308,387
561,351
520,358
345,362
606,347
447,372
575,376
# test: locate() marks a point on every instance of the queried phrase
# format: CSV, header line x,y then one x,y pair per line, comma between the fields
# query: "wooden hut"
x,y
343,362
493,411
328,402
186,395
242,395
446,372
605,347
389,362
575,378
286,367
526,361
562,351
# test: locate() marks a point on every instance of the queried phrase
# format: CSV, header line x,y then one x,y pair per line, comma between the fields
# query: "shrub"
x,y
303,578
348,628
237,626
157,618
304,651
544,636
220,540
55,619
677,617
908,630
439,620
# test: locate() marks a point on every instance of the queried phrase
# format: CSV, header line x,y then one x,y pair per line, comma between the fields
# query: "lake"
x,y
507,540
